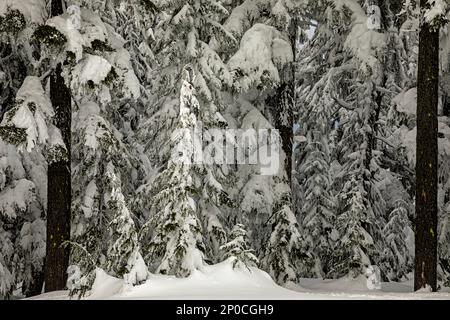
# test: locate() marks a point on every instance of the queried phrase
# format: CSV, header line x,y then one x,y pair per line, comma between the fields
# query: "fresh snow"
x,y
31,94
406,101
262,50
221,281
33,10
437,10
94,68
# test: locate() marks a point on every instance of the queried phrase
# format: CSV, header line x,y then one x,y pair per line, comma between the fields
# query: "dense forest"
x,y
99,99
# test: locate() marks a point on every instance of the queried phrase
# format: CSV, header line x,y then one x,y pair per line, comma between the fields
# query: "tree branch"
x,y
343,103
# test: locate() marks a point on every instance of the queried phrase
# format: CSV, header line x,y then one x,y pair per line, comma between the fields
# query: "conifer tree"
x,y
237,249
177,243
284,249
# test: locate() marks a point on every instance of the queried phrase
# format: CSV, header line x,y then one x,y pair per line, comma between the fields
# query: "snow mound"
x,y
219,281
345,284
212,282
222,282
105,285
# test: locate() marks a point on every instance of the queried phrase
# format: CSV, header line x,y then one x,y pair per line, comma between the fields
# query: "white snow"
x,y
33,10
17,198
437,9
89,198
105,285
362,41
221,281
406,101
262,50
75,40
93,68
241,16
121,60
137,268
34,108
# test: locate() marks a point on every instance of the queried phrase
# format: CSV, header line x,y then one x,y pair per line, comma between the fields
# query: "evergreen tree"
x,y
397,259
353,253
317,213
284,248
23,185
28,136
237,249
269,29
123,252
177,242
101,78
181,49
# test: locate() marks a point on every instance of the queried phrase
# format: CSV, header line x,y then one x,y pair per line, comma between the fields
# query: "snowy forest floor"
x,y
220,281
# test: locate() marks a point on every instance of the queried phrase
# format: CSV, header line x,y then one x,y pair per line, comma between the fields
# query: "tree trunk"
x,y
281,105
446,106
59,184
427,158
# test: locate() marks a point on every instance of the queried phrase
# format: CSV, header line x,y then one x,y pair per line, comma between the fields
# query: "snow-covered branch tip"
x,y
435,14
342,103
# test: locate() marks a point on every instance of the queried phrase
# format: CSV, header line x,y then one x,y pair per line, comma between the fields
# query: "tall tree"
x,y
427,146
59,182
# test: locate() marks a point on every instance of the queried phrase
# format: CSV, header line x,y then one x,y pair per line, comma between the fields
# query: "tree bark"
x,y
427,158
281,105
446,106
59,184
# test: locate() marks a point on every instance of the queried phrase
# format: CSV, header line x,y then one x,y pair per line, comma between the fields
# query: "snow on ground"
x,y
221,282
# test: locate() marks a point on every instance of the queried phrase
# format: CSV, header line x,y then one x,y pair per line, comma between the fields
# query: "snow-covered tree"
x,y
317,212
354,85
263,87
284,251
28,140
101,78
181,50
22,220
100,208
356,247
123,251
398,258
237,248
177,246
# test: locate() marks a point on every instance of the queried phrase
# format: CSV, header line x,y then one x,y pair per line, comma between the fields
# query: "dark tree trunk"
x,y
281,105
57,8
427,158
446,106
59,184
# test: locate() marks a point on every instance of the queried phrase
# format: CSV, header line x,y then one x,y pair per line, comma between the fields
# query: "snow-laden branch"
x,y
343,103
